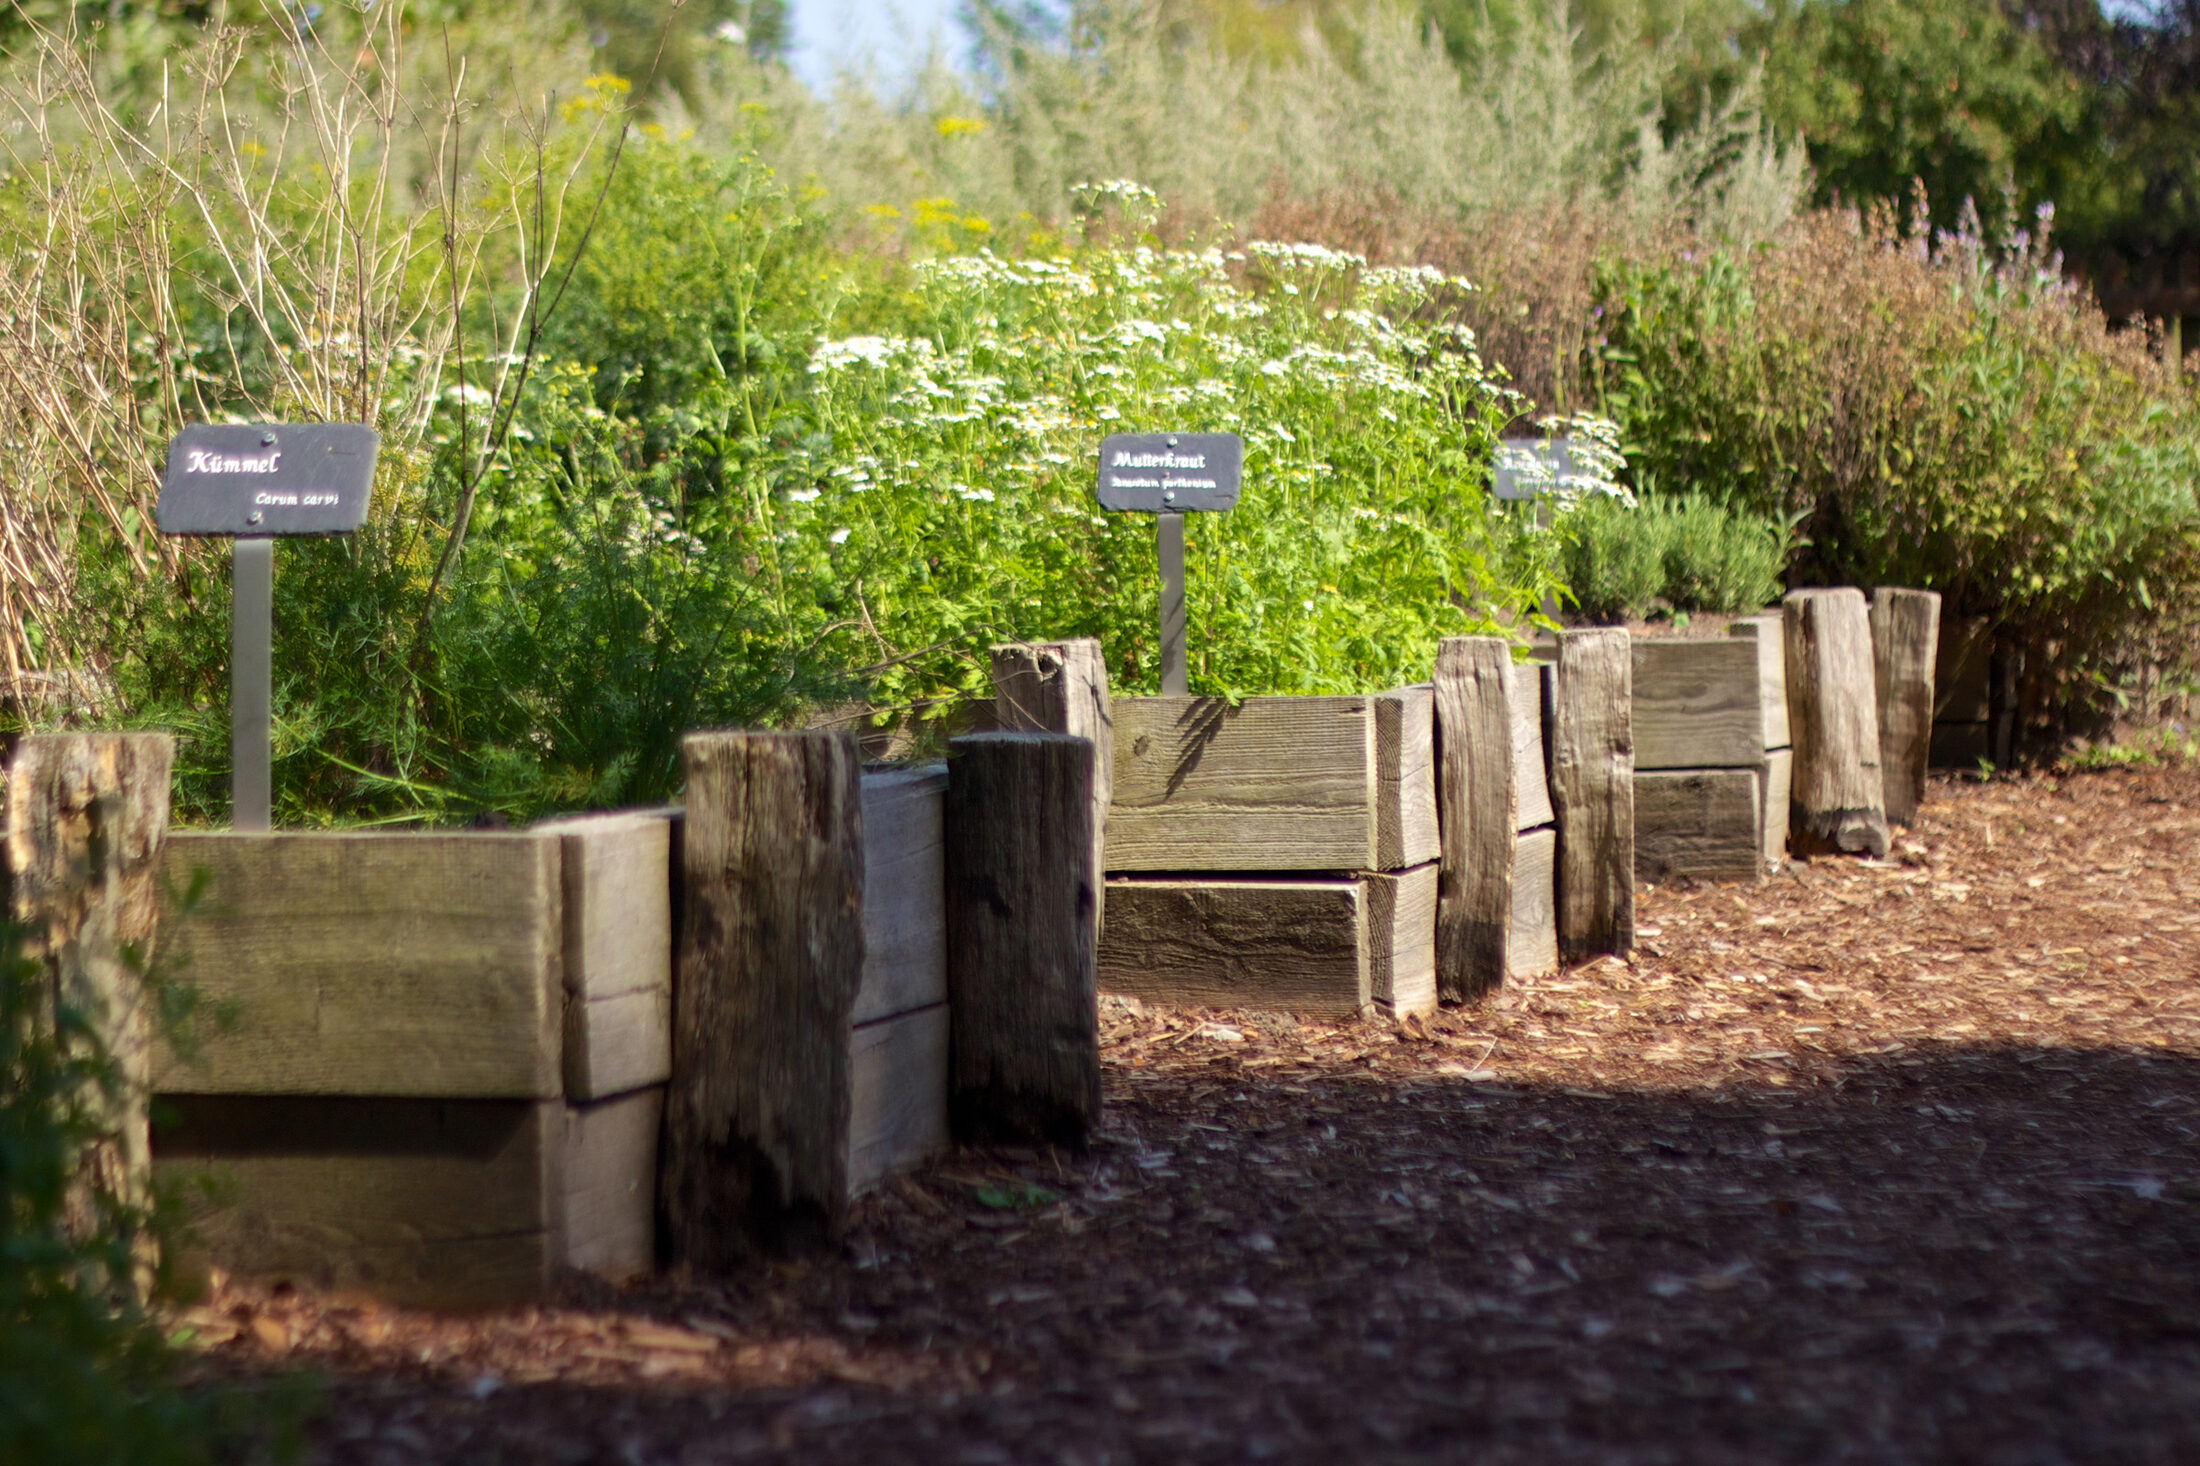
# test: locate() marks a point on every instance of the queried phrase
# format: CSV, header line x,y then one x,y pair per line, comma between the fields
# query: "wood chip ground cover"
x,y
1877,1162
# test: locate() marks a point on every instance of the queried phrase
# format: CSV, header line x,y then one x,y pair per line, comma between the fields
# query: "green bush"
x,y
86,1378
1952,419
1692,554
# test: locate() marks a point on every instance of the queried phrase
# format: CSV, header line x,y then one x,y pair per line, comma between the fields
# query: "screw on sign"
x,y
251,483
1169,475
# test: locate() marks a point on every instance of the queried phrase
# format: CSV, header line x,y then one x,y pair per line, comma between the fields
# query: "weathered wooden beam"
x,y
607,1187
617,925
1593,792
1532,949
1905,639
1767,633
898,1094
374,964
1697,704
1022,908
1701,823
440,1203
1338,946
1477,804
1775,780
1839,805
1274,783
1062,687
904,892
85,820
1531,697
771,952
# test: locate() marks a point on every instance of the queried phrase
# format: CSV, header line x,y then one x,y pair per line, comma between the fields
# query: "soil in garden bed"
x,y
1881,1162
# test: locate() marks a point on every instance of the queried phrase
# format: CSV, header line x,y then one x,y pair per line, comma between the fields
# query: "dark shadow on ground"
x,y
1943,1255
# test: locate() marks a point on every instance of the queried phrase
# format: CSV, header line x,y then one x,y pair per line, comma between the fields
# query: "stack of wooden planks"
x,y
443,1076
1278,853
444,1072
1712,757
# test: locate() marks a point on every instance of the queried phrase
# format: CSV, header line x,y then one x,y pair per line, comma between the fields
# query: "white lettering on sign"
x,y
1158,460
201,461
1160,483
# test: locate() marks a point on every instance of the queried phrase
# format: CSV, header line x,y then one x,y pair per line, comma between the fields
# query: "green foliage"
x,y
1959,421
85,1377
1688,552
1946,93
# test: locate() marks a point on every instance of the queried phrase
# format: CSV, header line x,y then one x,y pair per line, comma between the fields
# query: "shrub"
x,y
1948,417
1692,554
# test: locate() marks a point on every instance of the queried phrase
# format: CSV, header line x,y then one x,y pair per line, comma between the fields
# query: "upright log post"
x,y
1476,814
771,951
1905,644
1839,802
1062,687
1593,792
1022,937
86,816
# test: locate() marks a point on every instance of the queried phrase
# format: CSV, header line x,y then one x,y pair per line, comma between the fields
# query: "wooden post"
x,y
1839,804
1023,1005
1593,792
771,951
1062,687
1476,814
86,815
1905,640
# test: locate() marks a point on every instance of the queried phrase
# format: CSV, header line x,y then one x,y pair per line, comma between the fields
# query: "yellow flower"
x,y
959,126
882,211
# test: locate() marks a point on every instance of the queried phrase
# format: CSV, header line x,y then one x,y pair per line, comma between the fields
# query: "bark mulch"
x,y
1880,1161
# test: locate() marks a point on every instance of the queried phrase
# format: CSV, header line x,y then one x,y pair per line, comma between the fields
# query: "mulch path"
x,y
1880,1162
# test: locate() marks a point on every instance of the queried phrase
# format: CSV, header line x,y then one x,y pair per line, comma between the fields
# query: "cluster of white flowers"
x,y
1579,459
1306,256
877,352
986,270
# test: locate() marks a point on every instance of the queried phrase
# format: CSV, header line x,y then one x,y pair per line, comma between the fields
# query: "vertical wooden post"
x,y
86,816
1022,937
1593,792
1834,719
1062,687
1905,641
1476,814
771,951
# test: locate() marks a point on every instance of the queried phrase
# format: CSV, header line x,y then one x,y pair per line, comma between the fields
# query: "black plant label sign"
x,y
259,480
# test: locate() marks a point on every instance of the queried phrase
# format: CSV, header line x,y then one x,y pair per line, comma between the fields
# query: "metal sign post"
x,y
1169,475
252,484
251,683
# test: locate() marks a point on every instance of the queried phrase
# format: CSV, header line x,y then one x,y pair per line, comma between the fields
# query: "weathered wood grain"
x,y
1062,687
904,892
617,924
771,951
85,820
898,1107
1701,823
424,965
1532,949
1275,783
1478,791
1593,792
1839,806
1531,704
1401,939
1697,704
1905,638
429,1202
1292,945
608,1221
1022,912
1775,778
1767,634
